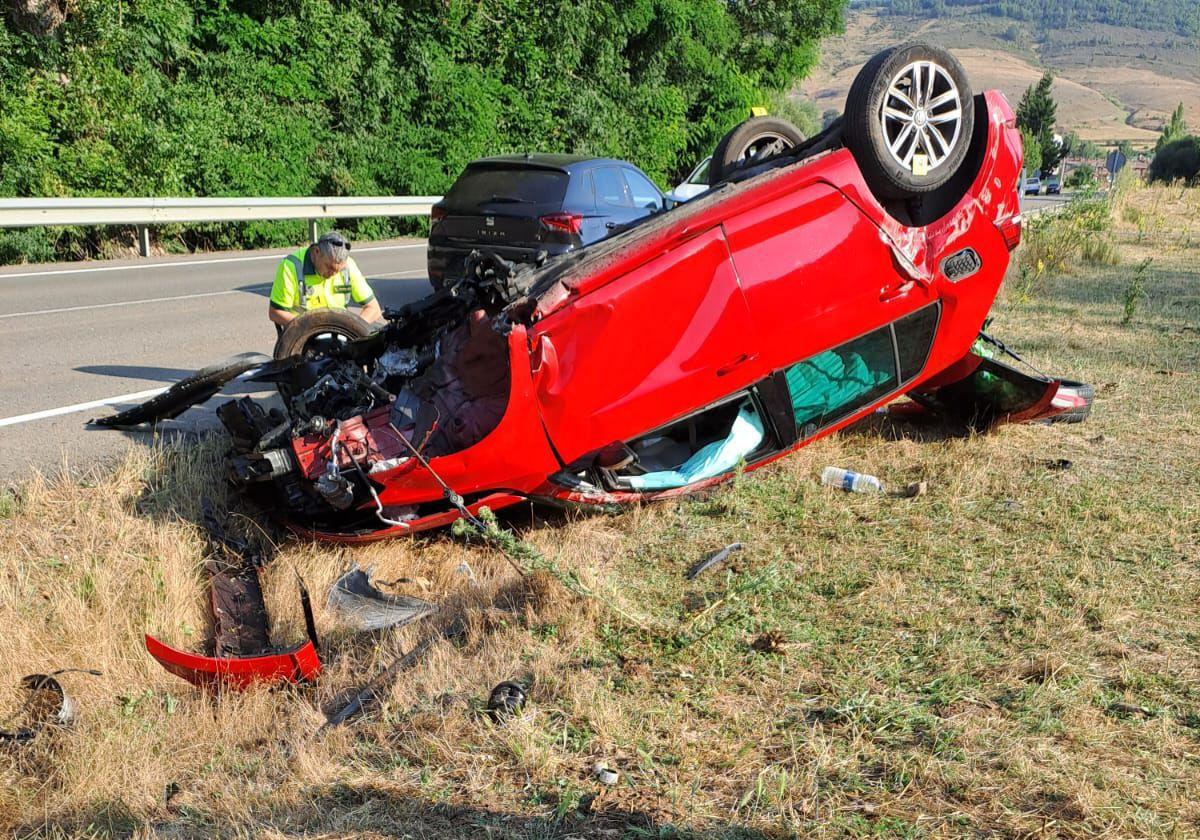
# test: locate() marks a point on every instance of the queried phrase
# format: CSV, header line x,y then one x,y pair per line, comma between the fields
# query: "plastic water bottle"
x,y
850,481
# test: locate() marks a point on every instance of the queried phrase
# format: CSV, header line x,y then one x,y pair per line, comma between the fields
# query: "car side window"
x,y
645,194
914,338
610,188
835,383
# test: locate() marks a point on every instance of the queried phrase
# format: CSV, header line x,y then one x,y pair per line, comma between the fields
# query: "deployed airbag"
x,y
712,460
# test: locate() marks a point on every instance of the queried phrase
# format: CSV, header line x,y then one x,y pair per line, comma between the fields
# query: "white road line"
x,y
414,272
138,396
141,266
118,303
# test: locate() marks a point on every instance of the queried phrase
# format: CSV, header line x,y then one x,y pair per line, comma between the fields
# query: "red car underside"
x,y
731,299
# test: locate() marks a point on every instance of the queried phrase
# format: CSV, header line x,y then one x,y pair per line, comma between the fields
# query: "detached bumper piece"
x,y
300,664
243,656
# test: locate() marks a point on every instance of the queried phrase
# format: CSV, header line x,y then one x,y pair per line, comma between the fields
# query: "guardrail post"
x,y
143,232
313,233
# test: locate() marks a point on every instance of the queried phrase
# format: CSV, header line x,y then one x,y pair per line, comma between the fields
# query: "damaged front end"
x,y
373,433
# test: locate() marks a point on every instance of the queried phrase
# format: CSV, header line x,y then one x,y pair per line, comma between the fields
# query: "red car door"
x,y
656,343
816,270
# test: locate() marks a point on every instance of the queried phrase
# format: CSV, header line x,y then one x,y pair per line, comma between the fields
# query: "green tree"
x,y
1173,130
1037,114
1033,152
1177,160
360,97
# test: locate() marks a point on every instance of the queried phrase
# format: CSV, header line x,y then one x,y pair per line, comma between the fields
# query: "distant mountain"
x,y
1112,82
1179,16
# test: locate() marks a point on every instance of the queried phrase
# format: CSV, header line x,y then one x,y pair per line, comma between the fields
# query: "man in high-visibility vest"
x,y
321,276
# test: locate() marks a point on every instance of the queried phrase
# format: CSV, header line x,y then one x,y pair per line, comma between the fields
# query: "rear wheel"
x,y
910,115
320,331
749,142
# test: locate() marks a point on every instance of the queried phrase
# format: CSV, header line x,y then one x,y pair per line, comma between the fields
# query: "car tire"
x,y
306,333
1076,389
889,146
755,139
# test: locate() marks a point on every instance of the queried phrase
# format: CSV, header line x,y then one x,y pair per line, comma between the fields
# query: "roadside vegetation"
x,y
1013,653
324,97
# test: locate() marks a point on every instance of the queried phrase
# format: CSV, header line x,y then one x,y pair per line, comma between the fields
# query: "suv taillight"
x,y
436,215
563,222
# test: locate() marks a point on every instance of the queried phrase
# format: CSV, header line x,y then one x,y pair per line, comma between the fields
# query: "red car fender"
x,y
301,663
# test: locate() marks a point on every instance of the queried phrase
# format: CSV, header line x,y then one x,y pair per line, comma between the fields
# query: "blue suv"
x,y
520,205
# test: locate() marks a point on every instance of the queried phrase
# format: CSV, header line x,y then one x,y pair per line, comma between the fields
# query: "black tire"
x,y
942,144
1078,389
314,331
753,140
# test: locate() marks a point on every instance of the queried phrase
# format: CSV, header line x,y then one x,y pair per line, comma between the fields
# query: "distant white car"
x,y
693,185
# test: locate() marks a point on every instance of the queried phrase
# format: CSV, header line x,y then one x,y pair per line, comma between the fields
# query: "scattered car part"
x,y
910,119
750,142
373,690
711,559
320,331
184,394
604,775
507,699
359,602
243,655
1055,464
297,664
239,611
1074,399
993,392
46,704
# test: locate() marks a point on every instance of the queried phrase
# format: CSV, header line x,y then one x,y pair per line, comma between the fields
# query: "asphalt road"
x,y
73,334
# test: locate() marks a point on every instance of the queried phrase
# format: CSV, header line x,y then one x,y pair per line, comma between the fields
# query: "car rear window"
x,y
493,187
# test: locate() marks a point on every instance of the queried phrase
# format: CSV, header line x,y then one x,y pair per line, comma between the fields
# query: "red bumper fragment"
x,y
299,664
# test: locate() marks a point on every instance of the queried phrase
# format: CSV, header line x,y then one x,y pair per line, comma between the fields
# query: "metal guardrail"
x,y
144,212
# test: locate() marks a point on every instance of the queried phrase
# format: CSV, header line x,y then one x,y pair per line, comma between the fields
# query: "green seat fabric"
x,y
832,380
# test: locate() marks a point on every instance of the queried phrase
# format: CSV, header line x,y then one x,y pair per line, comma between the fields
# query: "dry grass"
x,y
1012,654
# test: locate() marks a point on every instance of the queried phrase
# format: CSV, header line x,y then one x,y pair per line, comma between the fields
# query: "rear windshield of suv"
x,y
535,190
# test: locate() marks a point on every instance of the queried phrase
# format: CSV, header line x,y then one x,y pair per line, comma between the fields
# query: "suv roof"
x,y
566,163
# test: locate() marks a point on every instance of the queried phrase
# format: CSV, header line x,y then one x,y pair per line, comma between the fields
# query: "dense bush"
x,y
1177,160
361,97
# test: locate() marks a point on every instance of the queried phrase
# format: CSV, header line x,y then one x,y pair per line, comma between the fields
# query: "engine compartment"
x,y
433,381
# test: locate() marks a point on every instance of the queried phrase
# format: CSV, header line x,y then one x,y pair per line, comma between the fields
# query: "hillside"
x,y
1112,82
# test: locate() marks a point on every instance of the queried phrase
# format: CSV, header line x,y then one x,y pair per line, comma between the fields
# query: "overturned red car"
x,y
808,288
